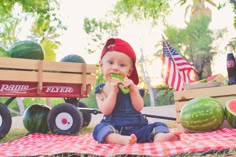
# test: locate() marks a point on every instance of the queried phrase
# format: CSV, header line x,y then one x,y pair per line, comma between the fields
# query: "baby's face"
x,y
116,62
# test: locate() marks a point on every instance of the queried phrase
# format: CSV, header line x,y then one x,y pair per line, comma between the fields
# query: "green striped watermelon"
x,y
27,49
73,58
202,115
230,112
35,118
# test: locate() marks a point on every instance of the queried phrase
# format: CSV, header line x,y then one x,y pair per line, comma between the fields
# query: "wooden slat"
x,y
28,64
40,77
69,67
32,76
68,78
179,105
16,63
83,88
215,92
222,100
178,117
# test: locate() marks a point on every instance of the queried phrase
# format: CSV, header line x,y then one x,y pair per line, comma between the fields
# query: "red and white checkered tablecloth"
x,y
51,144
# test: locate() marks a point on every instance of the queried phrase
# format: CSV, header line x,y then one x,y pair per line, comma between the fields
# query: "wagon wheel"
x,y
5,120
65,119
86,114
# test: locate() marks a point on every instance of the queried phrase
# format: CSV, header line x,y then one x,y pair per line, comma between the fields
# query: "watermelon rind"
x,y
202,114
229,114
27,49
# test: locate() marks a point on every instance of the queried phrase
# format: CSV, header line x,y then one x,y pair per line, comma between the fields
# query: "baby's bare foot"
x,y
132,139
114,138
163,137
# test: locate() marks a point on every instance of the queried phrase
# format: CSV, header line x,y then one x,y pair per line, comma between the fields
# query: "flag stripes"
x,y
176,71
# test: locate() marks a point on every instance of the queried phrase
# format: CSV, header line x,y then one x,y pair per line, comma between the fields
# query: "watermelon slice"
x,y
122,88
216,78
230,112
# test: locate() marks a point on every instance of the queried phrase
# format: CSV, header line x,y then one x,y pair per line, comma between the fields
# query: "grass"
x,y
14,134
17,133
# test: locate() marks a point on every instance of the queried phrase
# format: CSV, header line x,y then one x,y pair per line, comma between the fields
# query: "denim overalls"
x,y
125,120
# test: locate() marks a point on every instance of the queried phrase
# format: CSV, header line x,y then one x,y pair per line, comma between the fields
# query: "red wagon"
x,y
37,78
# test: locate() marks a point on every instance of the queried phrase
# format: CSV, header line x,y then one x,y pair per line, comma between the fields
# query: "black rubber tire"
x,y
86,114
87,117
65,119
5,120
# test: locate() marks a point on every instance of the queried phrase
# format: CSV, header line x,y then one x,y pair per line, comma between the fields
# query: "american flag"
x,y
176,71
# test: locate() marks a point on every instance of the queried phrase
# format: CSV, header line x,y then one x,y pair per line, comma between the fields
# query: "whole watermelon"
x,y
35,118
230,112
27,49
202,114
73,58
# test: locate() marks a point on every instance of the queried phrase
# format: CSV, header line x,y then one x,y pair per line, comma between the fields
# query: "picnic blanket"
x,y
51,144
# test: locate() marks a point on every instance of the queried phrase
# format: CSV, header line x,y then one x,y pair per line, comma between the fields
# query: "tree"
x,y
40,15
197,38
233,2
197,6
140,10
194,42
99,31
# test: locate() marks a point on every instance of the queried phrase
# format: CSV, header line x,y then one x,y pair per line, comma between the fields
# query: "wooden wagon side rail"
x,y
12,69
27,70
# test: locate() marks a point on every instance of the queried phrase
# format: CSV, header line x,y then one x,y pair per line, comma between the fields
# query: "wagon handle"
x,y
96,111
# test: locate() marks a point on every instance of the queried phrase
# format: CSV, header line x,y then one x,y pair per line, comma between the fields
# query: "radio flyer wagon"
x,y
38,78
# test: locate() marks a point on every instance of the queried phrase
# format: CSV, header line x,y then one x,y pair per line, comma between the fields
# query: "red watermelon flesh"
x,y
216,78
232,107
230,112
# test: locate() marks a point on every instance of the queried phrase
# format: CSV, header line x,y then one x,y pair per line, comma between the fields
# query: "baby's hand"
x,y
114,83
127,82
124,83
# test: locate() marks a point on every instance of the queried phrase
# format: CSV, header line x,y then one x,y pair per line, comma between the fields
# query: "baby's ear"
x,y
130,71
100,63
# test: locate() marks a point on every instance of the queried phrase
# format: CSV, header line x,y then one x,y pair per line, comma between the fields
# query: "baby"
x,y
123,123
